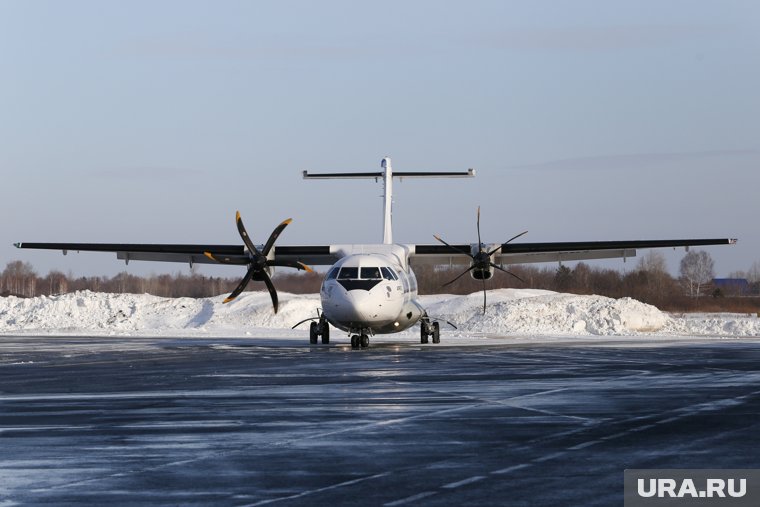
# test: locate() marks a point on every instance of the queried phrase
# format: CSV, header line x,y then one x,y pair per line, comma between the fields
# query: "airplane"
x,y
371,289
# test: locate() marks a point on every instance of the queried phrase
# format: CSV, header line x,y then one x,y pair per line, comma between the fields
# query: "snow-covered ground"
x,y
511,313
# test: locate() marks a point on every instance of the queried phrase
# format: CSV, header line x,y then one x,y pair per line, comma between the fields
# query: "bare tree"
x,y
653,262
696,270
19,279
753,274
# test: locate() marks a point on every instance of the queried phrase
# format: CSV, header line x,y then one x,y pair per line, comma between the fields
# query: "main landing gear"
x,y
319,328
427,329
359,341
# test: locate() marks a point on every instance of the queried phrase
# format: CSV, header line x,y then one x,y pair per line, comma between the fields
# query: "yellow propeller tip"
x,y
287,221
227,300
237,215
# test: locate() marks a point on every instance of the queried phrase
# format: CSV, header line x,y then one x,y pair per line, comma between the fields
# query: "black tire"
x,y
365,341
325,333
423,334
313,333
436,332
355,342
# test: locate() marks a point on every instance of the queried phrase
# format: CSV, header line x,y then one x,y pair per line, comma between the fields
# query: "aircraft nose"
x,y
363,305
357,306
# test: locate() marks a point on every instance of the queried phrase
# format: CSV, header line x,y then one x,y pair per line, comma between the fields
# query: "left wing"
x,y
528,253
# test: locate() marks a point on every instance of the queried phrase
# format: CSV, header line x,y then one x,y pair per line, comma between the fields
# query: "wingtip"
x,y
17,245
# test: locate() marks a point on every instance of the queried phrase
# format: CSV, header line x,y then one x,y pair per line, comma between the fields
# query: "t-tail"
x,y
387,176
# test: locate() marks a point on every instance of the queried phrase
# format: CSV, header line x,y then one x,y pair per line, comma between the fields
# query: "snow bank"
x,y
510,312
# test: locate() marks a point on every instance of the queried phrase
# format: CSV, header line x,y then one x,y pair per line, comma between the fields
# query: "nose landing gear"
x,y
359,341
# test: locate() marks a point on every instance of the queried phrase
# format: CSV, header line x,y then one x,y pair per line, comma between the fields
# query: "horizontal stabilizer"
x,y
469,173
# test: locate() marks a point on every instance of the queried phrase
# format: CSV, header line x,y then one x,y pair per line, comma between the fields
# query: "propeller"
x,y
481,260
257,261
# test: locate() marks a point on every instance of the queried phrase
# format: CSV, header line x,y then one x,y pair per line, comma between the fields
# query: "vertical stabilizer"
x,y
387,175
387,200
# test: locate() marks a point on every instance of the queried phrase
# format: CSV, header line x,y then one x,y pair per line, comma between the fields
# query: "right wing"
x,y
192,254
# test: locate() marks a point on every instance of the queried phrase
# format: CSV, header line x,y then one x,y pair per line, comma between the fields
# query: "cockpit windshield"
x,y
371,273
388,273
348,274
364,273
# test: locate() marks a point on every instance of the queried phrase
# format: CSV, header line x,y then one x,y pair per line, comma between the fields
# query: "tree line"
x,y
649,282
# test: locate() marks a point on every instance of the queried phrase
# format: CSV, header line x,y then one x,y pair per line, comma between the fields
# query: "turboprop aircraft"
x,y
371,288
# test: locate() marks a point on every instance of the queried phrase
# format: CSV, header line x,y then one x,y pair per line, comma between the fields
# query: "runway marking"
x,y
464,482
318,490
511,469
584,445
549,457
410,499
617,435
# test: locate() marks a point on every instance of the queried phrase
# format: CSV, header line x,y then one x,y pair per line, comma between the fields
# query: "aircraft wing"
x,y
528,253
312,255
191,254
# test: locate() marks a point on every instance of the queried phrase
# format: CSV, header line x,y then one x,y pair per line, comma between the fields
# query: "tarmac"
x,y
172,421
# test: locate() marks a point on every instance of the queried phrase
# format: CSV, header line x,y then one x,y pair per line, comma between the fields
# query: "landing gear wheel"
x,y
313,333
355,341
325,332
423,333
436,332
365,341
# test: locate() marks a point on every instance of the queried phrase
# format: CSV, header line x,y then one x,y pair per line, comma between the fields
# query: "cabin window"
x,y
371,273
333,274
388,274
348,274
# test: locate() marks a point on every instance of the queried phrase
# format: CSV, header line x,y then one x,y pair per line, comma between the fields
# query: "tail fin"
x,y
387,175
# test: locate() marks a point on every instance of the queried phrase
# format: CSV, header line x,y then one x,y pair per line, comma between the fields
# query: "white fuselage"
x,y
374,293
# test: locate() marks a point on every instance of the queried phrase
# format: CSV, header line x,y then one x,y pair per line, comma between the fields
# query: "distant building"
x,y
732,286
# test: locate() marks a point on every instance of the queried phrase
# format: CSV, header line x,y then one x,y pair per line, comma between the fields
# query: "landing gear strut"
x,y
427,329
359,341
320,328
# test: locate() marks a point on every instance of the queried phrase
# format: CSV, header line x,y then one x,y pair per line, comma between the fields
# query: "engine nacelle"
x,y
481,267
484,273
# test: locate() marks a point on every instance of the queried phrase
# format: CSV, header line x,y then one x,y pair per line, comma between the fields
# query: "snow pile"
x,y
510,312
94,311
714,324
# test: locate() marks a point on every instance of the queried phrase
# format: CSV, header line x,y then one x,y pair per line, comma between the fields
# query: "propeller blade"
x,y
291,264
508,241
452,247
225,260
241,286
275,234
460,276
480,243
507,272
485,291
244,235
304,320
272,290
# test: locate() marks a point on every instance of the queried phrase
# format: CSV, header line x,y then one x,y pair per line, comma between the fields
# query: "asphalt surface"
x,y
128,421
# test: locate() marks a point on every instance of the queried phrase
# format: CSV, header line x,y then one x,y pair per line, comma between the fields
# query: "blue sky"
x,y
586,120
